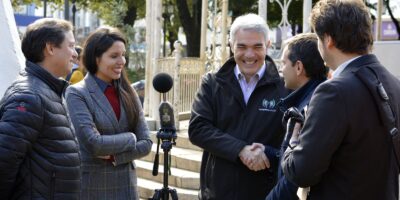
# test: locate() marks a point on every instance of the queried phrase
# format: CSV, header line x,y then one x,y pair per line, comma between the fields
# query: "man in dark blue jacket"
x,y
303,70
235,118
39,155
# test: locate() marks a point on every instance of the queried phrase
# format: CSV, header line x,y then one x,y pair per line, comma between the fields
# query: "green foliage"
x,y
111,11
135,75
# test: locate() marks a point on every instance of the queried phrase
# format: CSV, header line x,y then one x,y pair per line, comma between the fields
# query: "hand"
x,y
260,160
254,158
245,154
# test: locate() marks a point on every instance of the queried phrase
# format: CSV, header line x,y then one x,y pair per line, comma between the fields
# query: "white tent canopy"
x,y
11,57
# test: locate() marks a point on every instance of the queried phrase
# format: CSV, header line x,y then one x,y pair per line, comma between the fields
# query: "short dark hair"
x,y
348,22
304,47
41,32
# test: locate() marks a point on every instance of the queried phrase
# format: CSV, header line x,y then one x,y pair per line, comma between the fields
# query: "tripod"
x,y
167,136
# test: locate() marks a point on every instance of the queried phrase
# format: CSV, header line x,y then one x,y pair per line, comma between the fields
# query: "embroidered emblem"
x,y
268,105
21,107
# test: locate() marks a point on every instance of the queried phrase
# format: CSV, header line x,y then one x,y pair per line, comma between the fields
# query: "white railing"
x,y
190,73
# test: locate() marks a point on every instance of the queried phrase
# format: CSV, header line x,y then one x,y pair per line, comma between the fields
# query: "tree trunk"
x,y
395,22
191,25
130,15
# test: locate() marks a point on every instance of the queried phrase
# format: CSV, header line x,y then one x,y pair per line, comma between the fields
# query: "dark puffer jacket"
x,y
39,155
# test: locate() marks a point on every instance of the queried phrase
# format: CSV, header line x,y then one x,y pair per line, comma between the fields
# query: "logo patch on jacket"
x,y
21,107
268,105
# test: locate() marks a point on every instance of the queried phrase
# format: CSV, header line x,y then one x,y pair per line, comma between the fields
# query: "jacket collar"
x,y
227,79
363,60
56,84
300,97
99,97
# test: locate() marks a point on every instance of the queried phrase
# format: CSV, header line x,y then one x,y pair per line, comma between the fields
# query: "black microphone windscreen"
x,y
162,82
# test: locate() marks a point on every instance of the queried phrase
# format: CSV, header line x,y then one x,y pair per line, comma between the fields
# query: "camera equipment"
x,y
291,116
162,82
294,114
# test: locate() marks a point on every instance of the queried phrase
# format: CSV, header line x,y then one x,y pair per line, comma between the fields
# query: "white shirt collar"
x,y
342,67
239,75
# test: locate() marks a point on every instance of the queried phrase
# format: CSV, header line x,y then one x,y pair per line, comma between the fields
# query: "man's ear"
x,y
329,41
230,47
268,44
49,49
299,68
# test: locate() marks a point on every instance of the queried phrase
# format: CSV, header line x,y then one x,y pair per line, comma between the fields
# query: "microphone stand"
x,y
168,137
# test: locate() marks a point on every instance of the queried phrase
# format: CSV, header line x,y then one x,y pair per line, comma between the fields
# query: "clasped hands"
x,y
254,158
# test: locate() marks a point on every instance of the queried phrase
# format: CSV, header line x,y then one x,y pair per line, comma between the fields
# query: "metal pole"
x,y
307,5
66,10
164,32
148,75
262,9
224,30
45,8
156,40
379,21
177,93
204,16
73,13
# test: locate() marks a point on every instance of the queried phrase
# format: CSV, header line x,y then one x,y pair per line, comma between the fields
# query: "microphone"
x,y
162,83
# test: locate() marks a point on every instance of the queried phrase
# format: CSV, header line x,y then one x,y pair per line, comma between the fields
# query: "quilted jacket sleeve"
x,y
20,123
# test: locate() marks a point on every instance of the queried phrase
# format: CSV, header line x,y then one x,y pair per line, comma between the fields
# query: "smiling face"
x,y
111,62
249,49
64,55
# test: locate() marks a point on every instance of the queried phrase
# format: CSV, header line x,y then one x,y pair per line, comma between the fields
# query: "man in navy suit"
x,y
344,150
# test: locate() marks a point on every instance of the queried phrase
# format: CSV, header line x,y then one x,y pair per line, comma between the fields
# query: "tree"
x,y
117,13
395,21
389,9
191,23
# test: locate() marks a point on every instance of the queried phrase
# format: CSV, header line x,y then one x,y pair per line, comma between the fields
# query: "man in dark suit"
x,y
344,150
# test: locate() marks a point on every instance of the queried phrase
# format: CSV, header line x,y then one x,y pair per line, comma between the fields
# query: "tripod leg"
x,y
157,195
173,193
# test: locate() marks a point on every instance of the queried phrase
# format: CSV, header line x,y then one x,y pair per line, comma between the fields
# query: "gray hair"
x,y
251,22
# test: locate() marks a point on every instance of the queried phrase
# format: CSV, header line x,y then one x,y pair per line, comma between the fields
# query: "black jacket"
x,y
39,155
345,151
222,124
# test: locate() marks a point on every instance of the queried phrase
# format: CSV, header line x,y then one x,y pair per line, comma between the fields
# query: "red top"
x,y
112,96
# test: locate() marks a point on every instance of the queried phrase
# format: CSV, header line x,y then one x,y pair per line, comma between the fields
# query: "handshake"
x,y
254,158
253,155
